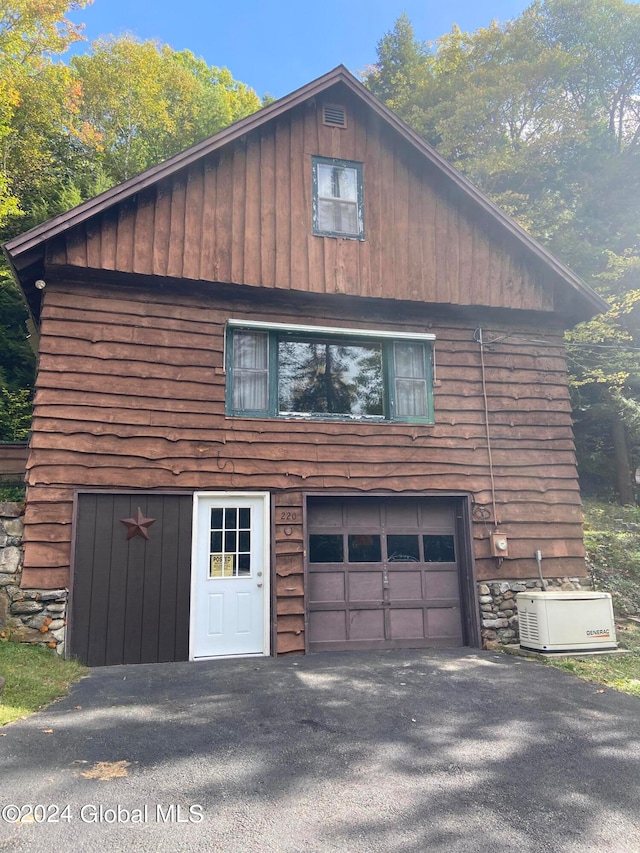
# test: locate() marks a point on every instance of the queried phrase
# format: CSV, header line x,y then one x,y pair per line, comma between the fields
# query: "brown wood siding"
x,y
13,462
244,215
131,394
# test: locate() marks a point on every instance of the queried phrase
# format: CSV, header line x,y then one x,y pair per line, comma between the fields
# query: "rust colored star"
x,y
138,525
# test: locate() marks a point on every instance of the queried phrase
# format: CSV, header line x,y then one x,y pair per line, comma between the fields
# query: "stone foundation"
x,y
36,616
498,611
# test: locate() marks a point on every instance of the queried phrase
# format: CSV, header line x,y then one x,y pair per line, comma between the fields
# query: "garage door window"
x,y
367,548
439,549
326,548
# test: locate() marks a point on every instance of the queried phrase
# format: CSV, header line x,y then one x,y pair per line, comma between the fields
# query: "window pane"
x,y
364,548
216,519
345,183
410,361
244,541
230,540
230,516
402,549
330,378
216,542
250,371
338,216
439,549
244,564
411,398
244,518
337,182
250,391
346,217
326,548
325,180
410,368
326,216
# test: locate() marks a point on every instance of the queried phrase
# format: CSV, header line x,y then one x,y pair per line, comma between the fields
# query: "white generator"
x,y
566,621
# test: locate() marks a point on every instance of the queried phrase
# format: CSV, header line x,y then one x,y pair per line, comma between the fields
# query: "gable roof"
x,y
26,251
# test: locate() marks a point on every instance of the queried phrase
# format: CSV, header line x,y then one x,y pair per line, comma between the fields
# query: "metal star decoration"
x,y
138,525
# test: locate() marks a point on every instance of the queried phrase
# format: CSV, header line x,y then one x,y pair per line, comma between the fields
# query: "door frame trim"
x,y
266,554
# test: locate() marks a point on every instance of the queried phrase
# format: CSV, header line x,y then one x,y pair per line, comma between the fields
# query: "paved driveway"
x,y
397,752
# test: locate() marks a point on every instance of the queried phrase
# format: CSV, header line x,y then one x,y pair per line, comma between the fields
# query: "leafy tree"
x,y
402,77
543,113
144,102
37,102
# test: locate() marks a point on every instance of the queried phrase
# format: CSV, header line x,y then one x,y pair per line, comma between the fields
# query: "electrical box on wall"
x,y
566,621
499,545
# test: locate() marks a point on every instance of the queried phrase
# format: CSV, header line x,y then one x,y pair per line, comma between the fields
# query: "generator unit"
x,y
566,621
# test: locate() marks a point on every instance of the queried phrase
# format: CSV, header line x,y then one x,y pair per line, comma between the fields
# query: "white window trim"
x,y
330,330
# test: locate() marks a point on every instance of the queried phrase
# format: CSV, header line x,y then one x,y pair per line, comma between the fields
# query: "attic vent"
x,y
334,115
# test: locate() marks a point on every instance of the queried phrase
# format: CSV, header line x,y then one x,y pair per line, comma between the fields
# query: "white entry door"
x,y
230,583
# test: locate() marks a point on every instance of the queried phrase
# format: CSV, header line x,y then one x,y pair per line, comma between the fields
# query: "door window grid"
x,y
230,542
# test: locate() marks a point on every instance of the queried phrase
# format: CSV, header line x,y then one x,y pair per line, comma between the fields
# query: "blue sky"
x,y
279,45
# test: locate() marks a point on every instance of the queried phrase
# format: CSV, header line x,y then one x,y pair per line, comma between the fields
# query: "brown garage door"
x,y
382,573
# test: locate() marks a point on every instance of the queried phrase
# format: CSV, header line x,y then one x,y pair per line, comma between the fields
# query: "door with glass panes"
x,y
229,597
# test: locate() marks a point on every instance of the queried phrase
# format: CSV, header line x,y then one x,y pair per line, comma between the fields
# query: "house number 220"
x,y
288,516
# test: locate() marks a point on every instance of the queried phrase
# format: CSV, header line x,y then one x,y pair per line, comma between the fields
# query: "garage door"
x,y
382,573
131,578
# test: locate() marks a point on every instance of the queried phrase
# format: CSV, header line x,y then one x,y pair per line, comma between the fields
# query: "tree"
x,y
543,113
402,76
37,102
144,102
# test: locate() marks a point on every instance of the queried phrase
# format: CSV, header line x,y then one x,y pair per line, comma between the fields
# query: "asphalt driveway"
x,y
397,752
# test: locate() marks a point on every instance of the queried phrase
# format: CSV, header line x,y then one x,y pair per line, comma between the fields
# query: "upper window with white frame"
x,y
303,372
337,198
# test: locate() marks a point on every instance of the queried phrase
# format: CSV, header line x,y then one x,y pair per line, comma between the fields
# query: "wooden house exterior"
x,y
176,482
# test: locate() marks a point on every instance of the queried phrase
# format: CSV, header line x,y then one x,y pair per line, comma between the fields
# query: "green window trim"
x,y
259,393
332,201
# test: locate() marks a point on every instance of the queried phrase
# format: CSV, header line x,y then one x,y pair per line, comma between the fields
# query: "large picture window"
x,y
337,198
286,372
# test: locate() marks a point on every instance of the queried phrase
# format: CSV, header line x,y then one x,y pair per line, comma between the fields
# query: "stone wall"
x,y
498,611
26,615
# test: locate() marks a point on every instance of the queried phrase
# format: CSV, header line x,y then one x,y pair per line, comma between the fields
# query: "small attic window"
x,y
338,209
334,115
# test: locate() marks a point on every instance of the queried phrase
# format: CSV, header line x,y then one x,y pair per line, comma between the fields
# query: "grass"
x,y
612,540
622,672
34,677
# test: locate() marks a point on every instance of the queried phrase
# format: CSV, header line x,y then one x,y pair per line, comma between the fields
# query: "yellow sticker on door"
x,y
220,569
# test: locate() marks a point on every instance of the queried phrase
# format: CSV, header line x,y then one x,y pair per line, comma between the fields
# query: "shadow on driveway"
x,y
378,751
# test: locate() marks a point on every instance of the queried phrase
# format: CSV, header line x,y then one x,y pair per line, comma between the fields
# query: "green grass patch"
x,y
34,677
612,542
621,672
